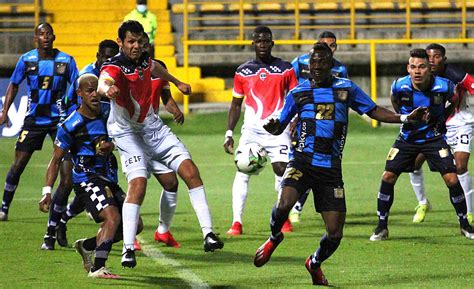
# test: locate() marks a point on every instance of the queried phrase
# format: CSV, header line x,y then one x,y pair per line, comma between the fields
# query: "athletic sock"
x,y
199,202
418,184
456,196
101,254
11,183
384,203
167,209
130,216
59,205
276,222
326,248
466,183
90,244
239,195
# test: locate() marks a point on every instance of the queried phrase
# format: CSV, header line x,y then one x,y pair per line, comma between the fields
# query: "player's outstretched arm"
x,y
171,106
157,70
384,115
12,91
232,119
51,176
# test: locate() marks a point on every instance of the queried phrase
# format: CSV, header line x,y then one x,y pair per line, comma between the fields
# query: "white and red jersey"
x,y
264,87
157,85
464,87
132,110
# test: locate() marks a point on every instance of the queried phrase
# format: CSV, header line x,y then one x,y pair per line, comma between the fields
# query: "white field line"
x,y
185,274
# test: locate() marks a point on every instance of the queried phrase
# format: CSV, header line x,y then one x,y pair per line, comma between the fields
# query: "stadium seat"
x,y
326,6
301,6
17,9
178,8
236,7
268,7
212,7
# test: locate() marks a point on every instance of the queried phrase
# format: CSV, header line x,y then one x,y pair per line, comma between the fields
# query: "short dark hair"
x,y
436,46
419,53
131,26
261,29
107,43
320,46
44,24
327,34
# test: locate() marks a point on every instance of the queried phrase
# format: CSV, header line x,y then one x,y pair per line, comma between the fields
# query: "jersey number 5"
x,y
46,81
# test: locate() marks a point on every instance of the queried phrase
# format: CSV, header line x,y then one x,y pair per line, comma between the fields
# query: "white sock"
x,y
278,181
130,214
417,182
239,195
466,184
167,208
199,203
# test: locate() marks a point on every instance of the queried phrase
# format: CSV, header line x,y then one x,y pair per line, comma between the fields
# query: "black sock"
x,y
302,200
277,220
90,244
384,203
11,182
101,254
326,248
456,196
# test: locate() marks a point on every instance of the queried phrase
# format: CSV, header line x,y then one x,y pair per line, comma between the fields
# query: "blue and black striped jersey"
x,y
301,66
441,90
80,135
323,119
47,82
71,101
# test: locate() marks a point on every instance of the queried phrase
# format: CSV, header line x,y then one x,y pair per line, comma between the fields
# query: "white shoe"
x,y
85,254
103,273
294,216
3,216
468,232
379,234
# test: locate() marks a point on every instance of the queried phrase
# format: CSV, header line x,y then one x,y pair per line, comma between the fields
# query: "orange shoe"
x,y
137,246
235,230
317,274
265,251
167,238
287,227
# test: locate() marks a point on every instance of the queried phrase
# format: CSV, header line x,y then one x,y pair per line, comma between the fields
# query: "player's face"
x,y
147,47
90,98
331,42
132,45
419,70
436,60
263,44
320,66
102,56
44,37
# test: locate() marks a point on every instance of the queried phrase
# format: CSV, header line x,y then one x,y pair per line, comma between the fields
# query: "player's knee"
x,y
461,168
190,174
389,177
279,168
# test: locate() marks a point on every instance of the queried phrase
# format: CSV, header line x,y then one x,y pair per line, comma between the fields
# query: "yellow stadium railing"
x,y
371,42
33,8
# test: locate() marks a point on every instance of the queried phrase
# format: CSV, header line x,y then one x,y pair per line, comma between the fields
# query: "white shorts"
x,y
152,152
459,138
277,146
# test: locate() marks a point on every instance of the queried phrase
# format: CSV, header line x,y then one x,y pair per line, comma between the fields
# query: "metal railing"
x,y
35,20
372,43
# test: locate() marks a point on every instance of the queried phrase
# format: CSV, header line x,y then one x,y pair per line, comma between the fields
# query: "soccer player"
x,y
141,136
421,88
84,134
264,83
301,67
48,72
60,213
322,104
459,131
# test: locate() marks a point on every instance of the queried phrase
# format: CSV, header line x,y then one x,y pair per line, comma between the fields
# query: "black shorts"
x,y
326,184
97,194
402,155
31,137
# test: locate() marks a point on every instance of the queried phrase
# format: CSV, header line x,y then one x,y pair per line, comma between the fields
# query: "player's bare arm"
x,y
51,176
105,147
233,118
107,88
157,70
420,114
395,103
171,106
10,95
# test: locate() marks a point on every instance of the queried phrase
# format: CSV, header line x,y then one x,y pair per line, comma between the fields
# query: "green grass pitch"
x,y
428,255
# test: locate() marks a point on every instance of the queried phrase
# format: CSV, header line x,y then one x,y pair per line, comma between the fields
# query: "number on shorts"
x,y
325,111
293,174
22,135
284,149
464,138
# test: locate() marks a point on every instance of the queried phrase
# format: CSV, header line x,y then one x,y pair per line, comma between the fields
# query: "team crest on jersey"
x,y
140,73
61,68
262,76
438,99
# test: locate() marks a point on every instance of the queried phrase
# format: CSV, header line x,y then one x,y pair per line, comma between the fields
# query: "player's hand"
x,y
184,88
420,114
112,92
272,126
4,119
229,145
105,147
178,117
44,203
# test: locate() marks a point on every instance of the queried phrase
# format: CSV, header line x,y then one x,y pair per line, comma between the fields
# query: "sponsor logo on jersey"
x,y
438,99
302,138
342,95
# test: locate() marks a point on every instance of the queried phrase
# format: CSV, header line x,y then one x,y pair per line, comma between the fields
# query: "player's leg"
x,y
418,185
295,213
168,180
279,169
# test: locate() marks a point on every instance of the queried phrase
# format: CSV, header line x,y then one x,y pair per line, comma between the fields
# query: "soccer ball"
x,y
250,158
